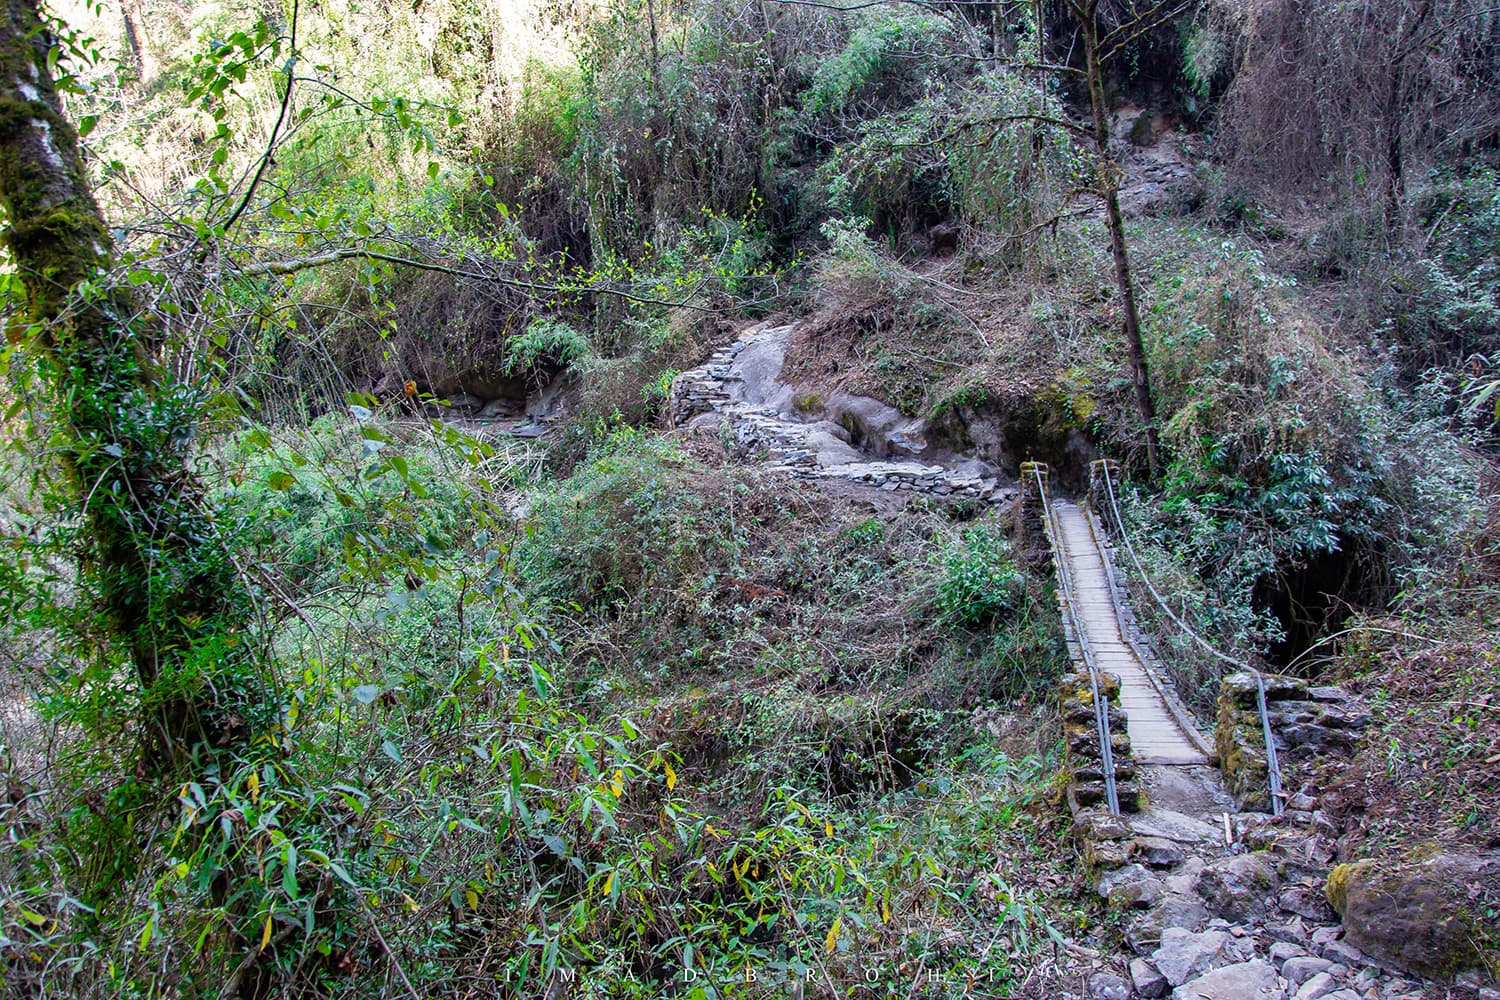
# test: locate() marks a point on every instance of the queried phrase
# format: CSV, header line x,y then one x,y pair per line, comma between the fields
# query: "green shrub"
x,y
625,525
980,582
878,53
546,340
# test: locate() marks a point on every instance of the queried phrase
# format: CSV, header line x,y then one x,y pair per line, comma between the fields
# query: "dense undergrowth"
x,y
627,742
616,713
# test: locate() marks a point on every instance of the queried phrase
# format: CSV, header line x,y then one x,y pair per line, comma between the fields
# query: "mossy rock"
x,y
1418,912
1337,889
1075,689
808,402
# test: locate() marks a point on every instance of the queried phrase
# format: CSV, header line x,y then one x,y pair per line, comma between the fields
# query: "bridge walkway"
x,y
1156,736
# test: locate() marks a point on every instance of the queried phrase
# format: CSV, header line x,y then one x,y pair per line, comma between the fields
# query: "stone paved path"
x,y
738,389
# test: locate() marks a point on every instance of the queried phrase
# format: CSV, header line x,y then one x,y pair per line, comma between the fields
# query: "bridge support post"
x,y
1031,529
1098,495
1082,759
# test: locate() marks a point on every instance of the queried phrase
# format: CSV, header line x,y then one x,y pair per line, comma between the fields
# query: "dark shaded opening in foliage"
x,y
1315,600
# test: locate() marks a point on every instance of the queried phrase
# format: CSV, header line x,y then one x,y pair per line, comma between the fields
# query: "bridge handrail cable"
x,y
1100,698
1273,767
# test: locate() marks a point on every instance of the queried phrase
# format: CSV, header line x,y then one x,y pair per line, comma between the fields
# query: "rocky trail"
x,y
1216,899
812,436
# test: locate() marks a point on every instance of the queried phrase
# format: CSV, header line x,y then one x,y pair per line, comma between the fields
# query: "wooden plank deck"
x,y
1154,734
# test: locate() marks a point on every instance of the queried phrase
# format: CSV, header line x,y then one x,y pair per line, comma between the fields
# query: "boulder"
x,y
1419,914
1184,954
1239,888
1252,980
1148,981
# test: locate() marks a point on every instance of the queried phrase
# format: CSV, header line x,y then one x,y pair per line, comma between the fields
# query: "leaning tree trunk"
x,y
137,41
1109,191
165,589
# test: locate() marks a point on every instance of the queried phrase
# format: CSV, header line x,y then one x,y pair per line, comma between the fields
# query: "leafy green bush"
x,y
980,582
879,55
546,340
624,526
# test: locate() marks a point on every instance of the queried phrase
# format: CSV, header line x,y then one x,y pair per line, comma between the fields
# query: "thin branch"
x,y
285,267
286,103
1111,44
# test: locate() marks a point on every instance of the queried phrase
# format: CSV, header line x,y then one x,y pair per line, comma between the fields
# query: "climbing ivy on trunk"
x,y
164,592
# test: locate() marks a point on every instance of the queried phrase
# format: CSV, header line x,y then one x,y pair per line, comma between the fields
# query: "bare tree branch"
x,y
286,103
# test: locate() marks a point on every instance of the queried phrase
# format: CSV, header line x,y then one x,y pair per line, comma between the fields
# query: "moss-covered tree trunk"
x,y
164,587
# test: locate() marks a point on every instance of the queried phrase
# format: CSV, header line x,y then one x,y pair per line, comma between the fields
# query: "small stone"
x,y
1302,802
1344,953
1323,937
1317,987
1159,852
1137,895
1148,982
1095,824
1292,932
1185,876
1283,950
1108,854
1108,986
1176,909
1305,902
1120,876
1302,968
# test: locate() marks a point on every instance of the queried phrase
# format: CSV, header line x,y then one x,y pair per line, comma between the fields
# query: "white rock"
x,y
1252,980
1300,969
1317,987
1184,954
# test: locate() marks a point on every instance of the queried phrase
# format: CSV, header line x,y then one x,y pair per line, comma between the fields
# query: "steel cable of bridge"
x,y
1101,700
1273,766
